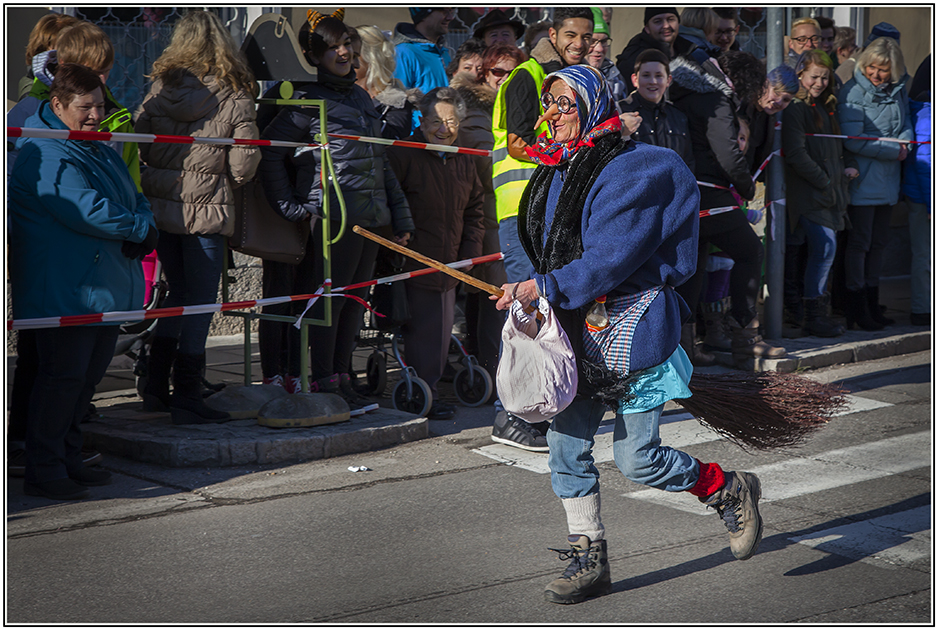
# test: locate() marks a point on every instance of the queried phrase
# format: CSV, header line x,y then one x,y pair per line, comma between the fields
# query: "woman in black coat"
x,y
710,102
291,180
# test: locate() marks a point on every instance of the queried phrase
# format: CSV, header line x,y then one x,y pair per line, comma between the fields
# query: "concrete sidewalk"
x,y
124,430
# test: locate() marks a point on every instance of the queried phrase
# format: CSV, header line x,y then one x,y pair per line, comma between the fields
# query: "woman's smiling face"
x,y
441,125
338,59
564,127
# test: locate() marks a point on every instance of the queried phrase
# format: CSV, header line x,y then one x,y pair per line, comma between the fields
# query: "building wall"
x,y
915,26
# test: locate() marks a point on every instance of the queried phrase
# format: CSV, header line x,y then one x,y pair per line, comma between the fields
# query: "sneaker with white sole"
x,y
514,431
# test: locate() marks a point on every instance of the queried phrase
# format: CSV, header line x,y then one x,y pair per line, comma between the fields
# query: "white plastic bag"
x,y
537,377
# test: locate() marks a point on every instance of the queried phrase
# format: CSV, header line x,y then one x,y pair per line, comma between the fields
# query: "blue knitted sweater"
x,y
639,229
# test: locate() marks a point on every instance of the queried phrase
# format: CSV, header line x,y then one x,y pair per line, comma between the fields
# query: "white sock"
x,y
583,516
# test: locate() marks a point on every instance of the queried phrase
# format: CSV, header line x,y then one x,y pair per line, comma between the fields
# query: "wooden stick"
x,y
455,273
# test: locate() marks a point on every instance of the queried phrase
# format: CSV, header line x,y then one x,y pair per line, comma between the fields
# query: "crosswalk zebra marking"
x,y
677,430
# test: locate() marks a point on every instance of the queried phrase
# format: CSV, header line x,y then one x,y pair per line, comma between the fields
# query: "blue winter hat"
x,y
883,29
418,15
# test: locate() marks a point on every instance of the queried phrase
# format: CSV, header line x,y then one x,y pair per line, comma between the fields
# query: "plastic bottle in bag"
x,y
596,317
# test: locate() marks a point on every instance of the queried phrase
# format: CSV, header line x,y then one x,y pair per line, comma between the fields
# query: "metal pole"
x,y
775,191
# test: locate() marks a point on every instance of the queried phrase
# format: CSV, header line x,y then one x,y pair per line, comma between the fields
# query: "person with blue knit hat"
x,y
611,222
420,50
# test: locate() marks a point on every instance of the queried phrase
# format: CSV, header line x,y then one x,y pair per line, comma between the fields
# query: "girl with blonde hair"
x,y
202,86
375,74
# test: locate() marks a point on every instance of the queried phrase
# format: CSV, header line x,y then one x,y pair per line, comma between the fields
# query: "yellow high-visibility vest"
x,y
510,176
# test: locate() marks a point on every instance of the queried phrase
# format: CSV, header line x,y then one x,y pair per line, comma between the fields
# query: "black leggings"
x,y
732,233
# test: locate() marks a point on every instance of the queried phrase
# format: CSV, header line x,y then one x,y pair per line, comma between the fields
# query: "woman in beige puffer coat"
x,y
201,87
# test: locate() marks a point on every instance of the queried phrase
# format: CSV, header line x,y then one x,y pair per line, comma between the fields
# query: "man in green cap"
x,y
598,56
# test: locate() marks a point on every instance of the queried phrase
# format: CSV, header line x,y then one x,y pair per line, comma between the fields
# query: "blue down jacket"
x,y
72,204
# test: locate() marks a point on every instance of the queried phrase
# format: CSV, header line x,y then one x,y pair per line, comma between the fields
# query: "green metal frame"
x,y
327,179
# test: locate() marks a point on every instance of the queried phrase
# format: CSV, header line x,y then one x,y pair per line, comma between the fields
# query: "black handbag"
x,y
390,299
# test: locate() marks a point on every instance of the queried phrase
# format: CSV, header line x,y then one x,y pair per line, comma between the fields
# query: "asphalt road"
x,y
455,529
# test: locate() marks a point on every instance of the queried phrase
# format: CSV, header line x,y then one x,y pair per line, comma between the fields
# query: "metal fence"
x,y
468,18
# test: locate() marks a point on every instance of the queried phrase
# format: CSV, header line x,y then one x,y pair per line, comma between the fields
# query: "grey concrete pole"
x,y
775,190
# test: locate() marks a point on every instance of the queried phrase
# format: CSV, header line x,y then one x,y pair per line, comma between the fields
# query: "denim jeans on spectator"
x,y
920,237
866,241
517,265
822,247
192,264
636,448
72,361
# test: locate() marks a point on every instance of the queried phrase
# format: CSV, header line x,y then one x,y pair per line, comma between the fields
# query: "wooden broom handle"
x,y
455,273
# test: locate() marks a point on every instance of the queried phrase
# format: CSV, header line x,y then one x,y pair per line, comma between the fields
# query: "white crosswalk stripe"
x,y
677,430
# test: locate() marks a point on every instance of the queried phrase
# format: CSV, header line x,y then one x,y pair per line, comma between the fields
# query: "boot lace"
x,y
579,560
729,511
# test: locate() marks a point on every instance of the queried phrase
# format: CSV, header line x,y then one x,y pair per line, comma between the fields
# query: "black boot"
x,y
816,321
857,312
186,404
689,342
156,392
876,311
208,388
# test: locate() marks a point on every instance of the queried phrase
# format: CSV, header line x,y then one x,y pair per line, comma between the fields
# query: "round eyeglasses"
x,y
564,103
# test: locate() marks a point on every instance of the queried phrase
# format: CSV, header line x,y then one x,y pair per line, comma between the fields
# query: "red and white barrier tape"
x,y
830,135
709,212
118,317
754,177
149,138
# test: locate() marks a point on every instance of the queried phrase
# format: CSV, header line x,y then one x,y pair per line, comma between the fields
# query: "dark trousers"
x,y
72,361
279,342
27,367
192,264
732,233
427,334
484,324
866,241
353,261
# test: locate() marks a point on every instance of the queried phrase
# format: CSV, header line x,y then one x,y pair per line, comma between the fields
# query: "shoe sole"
x,y
536,449
756,490
33,491
604,588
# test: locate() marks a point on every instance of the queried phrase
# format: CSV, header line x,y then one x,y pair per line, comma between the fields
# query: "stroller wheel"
x,y
473,386
376,373
419,400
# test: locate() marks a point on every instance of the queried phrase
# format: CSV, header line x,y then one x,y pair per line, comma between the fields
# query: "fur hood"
x,y
701,79
546,55
397,97
476,95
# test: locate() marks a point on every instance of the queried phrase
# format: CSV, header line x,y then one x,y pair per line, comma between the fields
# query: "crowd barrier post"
x,y
775,191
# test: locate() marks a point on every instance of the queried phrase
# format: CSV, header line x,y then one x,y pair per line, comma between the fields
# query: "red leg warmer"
x,y
710,480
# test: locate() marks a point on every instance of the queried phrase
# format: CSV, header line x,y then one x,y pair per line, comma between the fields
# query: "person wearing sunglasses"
x,y
420,50
805,35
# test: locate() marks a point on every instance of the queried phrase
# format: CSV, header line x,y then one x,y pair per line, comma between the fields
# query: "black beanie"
x,y
419,14
651,12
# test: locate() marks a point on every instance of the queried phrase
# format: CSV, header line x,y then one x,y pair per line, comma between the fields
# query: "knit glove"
x,y
140,250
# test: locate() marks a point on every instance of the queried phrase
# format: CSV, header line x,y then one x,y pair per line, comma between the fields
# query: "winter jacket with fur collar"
x,y
710,104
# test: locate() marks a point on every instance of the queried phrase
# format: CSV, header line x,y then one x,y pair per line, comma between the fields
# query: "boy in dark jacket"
x,y
662,124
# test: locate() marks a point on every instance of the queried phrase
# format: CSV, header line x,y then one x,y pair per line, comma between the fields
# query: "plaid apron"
x,y
611,346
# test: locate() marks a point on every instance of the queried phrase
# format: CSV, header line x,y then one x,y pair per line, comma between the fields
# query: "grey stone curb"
x,y
834,354
150,437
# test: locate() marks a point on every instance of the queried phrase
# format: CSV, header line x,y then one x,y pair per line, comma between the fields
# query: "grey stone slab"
x,y
303,410
244,401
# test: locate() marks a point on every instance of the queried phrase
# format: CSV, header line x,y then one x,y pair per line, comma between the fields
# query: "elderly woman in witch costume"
x,y
610,221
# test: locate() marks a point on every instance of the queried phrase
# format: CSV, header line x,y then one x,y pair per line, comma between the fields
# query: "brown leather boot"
x,y
748,342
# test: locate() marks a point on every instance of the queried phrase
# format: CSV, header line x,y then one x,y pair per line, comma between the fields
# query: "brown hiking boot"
x,y
587,575
737,503
748,342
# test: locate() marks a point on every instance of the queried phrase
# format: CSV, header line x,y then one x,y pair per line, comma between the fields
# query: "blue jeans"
x,y
192,264
517,266
71,363
920,238
822,247
636,448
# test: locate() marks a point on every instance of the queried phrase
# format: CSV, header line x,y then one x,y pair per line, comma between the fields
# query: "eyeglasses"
x,y
564,103
605,43
804,39
499,72
727,32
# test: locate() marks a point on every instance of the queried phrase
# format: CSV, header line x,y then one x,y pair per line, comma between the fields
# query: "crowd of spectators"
x,y
681,83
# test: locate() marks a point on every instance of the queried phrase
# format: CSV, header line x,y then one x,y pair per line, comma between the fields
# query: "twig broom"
x,y
755,410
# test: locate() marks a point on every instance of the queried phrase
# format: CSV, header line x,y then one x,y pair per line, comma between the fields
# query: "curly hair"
x,y
202,46
746,72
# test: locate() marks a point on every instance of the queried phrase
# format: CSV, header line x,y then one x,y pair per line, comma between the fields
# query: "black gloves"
x,y
140,250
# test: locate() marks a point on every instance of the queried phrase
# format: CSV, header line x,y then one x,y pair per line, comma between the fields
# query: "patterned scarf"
x,y
595,108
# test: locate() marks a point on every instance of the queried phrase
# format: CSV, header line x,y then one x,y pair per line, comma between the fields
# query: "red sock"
x,y
710,480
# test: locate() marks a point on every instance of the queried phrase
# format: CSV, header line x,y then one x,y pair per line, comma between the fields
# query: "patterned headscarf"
x,y
595,108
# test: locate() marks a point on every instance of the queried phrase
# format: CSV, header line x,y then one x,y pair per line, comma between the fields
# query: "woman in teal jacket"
x,y
873,104
78,228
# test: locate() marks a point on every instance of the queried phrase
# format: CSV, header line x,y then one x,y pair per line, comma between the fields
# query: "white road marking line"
x,y
677,430
824,471
890,541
